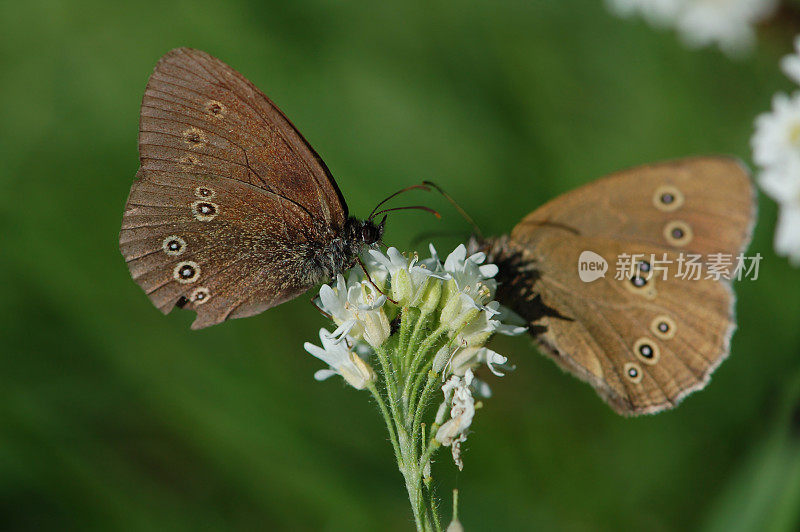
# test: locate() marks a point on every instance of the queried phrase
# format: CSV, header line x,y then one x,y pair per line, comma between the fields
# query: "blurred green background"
x,y
113,416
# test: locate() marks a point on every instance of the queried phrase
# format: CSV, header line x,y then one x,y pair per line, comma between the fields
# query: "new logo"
x,y
591,266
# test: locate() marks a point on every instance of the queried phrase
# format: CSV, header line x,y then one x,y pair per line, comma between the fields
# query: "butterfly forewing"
x,y
642,346
199,115
712,195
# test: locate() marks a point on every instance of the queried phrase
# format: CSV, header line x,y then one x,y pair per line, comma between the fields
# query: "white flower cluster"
x,y
776,149
727,23
460,290
449,307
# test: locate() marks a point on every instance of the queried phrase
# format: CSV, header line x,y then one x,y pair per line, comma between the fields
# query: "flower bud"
x,y
468,313
449,288
402,287
360,374
451,309
440,359
455,526
430,296
376,327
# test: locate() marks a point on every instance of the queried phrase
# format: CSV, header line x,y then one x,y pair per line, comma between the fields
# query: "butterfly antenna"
x,y
320,309
418,207
412,187
455,204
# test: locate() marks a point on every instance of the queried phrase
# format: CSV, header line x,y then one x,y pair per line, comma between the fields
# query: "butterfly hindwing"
x,y
239,257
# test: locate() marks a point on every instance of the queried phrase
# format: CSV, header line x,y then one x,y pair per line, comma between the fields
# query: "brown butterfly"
x,y
644,340
232,211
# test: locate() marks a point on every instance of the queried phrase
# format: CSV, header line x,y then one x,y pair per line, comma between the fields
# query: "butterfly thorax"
x,y
340,251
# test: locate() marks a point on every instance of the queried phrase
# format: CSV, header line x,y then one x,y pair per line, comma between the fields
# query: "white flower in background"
x,y
458,393
782,184
791,63
657,12
341,358
727,23
776,142
776,149
787,233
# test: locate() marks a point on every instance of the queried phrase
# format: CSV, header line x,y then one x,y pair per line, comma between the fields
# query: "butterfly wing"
x,y
218,246
230,200
199,115
645,343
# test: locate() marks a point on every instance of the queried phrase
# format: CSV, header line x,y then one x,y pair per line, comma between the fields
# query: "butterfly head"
x,y
371,232
364,232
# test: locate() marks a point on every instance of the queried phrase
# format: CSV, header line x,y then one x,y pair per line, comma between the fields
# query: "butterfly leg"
x,y
311,300
372,282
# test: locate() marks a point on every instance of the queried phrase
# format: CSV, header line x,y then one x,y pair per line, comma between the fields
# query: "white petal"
x,y
315,351
381,258
342,331
456,258
478,257
434,255
782,184
323,374
329,300
787,234
378,303
396,257
469,376
489,270
510,330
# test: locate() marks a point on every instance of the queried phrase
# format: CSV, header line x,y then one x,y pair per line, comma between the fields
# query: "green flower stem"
x,y
418,383
418,329
423,502
388,419
433,446
408,316
430,386
419,356
414,495
432,504
391,389
405,424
